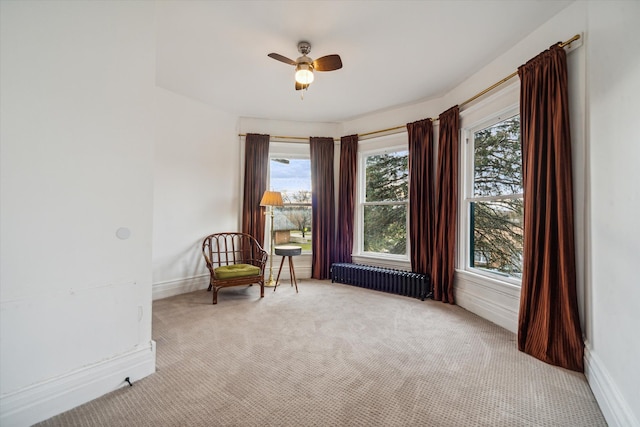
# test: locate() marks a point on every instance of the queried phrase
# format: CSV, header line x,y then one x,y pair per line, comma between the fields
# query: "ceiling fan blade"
x,y
301,86
281,58
328,63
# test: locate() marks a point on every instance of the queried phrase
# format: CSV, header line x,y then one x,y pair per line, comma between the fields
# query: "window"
x,y
494,198
291,175
384,199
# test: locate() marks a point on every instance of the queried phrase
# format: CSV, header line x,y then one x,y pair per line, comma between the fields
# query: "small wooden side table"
x,y
289,252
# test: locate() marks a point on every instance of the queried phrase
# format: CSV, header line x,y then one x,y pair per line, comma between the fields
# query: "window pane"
x,y
289,176
387,177
498,159
385,229
292,222
496,236
292,225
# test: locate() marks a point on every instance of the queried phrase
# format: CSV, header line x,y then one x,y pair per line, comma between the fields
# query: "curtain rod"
x,y
462,104
293,138
510,76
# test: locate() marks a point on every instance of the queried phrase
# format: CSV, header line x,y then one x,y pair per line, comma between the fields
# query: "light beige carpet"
x,y
336,355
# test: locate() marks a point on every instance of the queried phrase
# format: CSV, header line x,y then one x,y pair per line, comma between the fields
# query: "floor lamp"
x,y
271,199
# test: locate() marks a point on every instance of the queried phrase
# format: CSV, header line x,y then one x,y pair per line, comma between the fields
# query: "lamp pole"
x,y
271,282
271,199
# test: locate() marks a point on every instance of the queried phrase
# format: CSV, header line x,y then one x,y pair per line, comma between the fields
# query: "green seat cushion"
x,y
236,270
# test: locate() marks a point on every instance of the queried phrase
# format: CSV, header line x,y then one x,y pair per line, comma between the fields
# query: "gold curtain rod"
x,y
473,98
510,76
297,139
382,130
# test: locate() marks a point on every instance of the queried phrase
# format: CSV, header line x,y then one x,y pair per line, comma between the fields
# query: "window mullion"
x,y
494,198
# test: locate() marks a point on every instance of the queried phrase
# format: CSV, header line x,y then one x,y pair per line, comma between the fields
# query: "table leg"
x,y
293,274
279,271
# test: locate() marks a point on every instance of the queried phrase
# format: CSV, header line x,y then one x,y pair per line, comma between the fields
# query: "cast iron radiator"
x,y
399,282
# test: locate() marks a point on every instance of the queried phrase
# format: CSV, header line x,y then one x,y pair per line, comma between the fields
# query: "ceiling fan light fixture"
x,y
304,73
305,66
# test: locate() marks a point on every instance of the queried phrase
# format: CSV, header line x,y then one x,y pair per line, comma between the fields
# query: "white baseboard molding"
x,y
614,407
41,401
170,288
492,301
302,272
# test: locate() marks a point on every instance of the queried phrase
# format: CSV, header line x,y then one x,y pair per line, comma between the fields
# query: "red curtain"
x,y
322,206
549,324
346,198
444,256
421,195
256,163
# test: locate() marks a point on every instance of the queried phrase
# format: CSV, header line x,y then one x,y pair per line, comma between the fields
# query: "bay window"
x,y
493,198
384,192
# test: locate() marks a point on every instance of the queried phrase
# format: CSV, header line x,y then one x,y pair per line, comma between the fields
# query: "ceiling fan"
x,y
305,66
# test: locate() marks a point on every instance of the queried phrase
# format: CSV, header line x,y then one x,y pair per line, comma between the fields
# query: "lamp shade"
x,y
271,198
304,74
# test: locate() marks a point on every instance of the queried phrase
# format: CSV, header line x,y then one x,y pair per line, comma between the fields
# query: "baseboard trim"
x,y
171,288
493,302
614,407
302,272
41,401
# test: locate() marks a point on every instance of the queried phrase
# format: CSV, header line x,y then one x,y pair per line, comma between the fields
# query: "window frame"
x,y
382,145
467,197
289,151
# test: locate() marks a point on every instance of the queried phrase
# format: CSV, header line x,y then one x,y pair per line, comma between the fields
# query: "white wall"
x,y
76,165
613,49
604,89
196,189
198,186
289,128
394,117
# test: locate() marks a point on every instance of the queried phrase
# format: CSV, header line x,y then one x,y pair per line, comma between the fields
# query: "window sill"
x,y
377,261
493,284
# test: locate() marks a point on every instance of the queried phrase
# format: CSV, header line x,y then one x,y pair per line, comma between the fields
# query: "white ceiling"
x,y
393,52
